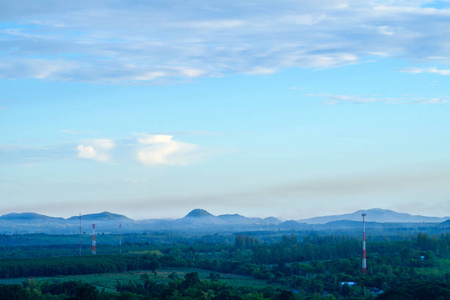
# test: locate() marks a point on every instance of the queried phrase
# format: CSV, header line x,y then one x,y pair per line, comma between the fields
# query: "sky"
x,y
291,109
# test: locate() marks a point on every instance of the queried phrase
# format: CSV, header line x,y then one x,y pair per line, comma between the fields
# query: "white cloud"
x,y
328,61
356,99
213,24
75,132
380,54
104,144
302,19
157,42
86,152
35,68
193,72
434,101
162,150
261,71
97,150
386,30
432,70
147,149
437,57
148,76
191,133
155,139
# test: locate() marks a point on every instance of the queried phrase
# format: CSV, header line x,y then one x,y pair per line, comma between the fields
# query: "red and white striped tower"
x,y
93,240
364,262
80,234
120,238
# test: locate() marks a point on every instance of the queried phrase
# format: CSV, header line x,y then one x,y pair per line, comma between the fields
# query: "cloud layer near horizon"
x,y
356,99
159,41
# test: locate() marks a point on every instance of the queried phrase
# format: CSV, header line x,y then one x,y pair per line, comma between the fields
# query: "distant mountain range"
x,y
34,217
27,217
104,216
201,221
375,215
202,216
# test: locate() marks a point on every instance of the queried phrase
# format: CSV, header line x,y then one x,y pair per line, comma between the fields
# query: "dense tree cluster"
x,y
320,266
417,290
72,265
189,287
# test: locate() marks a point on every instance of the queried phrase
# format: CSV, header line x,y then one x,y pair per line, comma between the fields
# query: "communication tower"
x,y
80,234
120,238
93,240
364,262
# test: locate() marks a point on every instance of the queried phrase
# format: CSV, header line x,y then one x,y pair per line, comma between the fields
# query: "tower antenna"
x,y
364,262
94,250
80,234
120,238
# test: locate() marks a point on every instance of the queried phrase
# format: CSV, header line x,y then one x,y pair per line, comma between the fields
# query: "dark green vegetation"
x,y
271,266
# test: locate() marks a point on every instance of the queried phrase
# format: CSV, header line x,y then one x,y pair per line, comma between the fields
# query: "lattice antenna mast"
x,y
80,234
94,250
364,261
120,238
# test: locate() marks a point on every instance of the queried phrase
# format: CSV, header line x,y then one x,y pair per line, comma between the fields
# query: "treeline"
x,y
327,247
315,264
320,264
418,290
315,247
73,265
247,257
189,287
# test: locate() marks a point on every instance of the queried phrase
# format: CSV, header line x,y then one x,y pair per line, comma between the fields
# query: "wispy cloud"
x,y
357,99
154,42
77,132
386,30
432,70
192,132
96,149
24,154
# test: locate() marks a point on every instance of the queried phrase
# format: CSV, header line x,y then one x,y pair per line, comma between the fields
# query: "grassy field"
x,y
108,281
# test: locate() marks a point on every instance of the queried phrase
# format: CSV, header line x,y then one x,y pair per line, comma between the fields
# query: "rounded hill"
x,y
198,213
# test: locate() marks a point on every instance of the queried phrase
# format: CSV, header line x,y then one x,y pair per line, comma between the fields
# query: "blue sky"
x,y
291,109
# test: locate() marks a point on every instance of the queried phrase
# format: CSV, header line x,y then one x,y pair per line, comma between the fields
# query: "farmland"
x,y
296,267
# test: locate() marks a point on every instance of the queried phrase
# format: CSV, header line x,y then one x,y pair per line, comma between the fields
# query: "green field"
x,y
107,281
